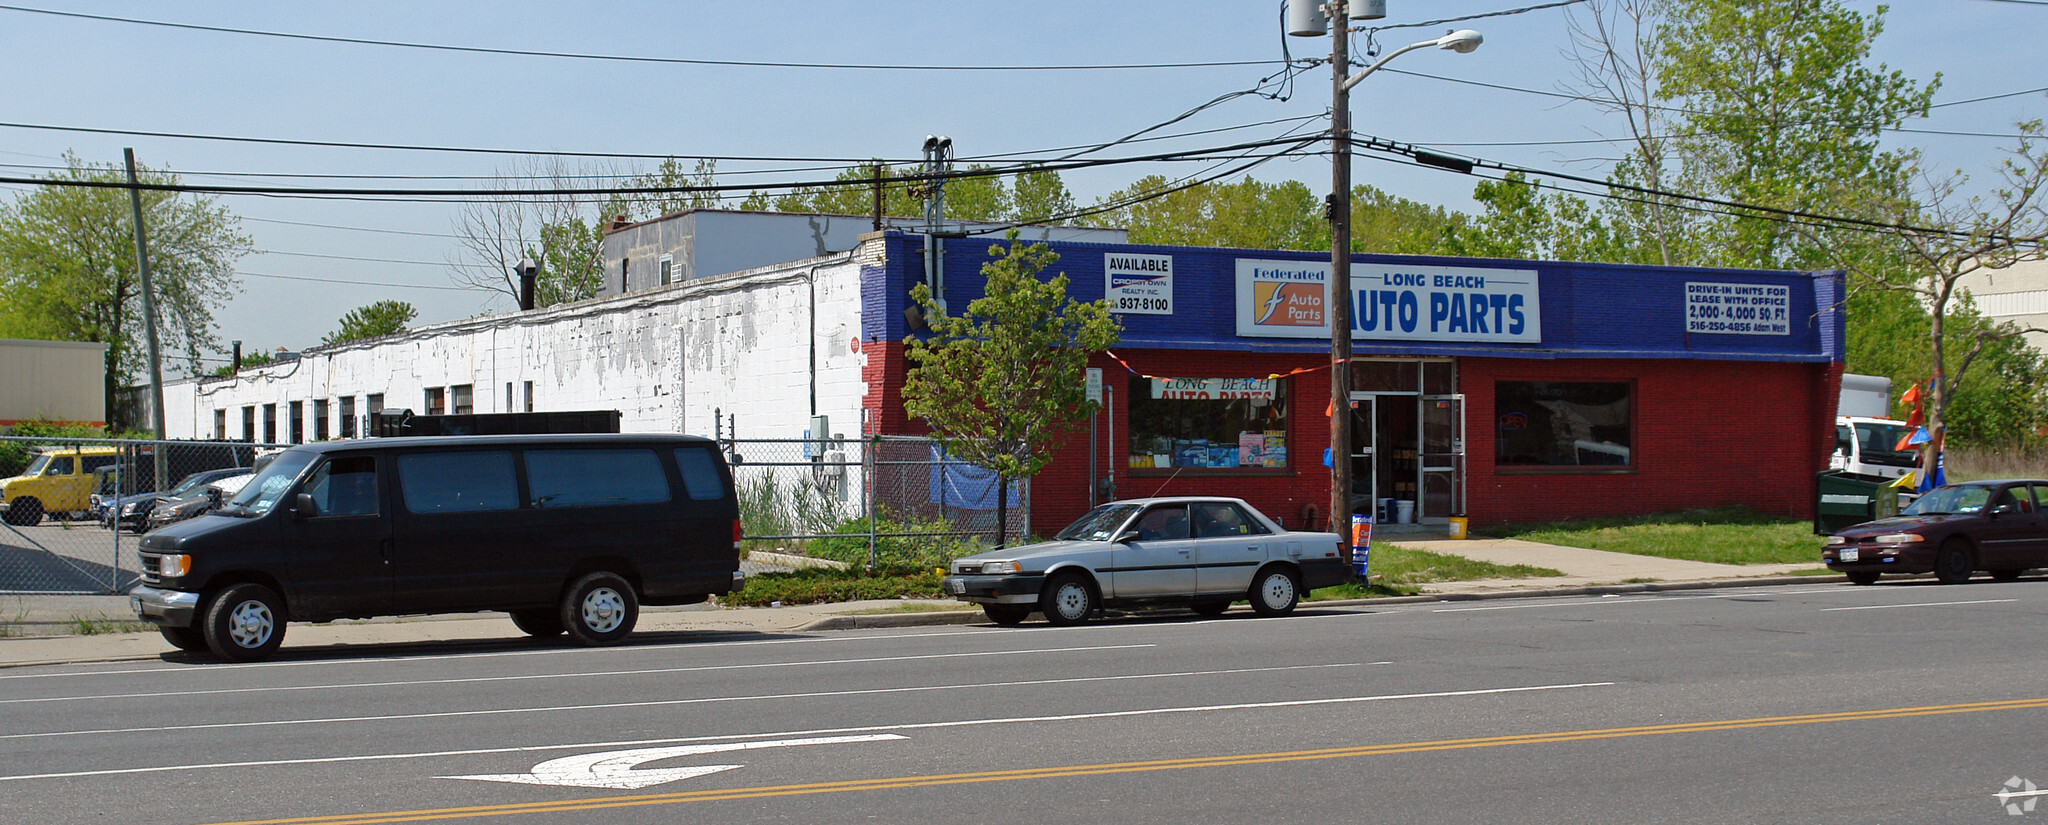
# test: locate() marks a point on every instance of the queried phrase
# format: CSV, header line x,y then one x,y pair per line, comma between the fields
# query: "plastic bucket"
x,y
1404,511
1457,527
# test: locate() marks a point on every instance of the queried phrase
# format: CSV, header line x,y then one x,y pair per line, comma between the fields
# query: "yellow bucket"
x,y
1457,527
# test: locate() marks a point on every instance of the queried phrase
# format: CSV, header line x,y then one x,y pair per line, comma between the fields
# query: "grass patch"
x,y
821,585
82,626
1400,571
1730,535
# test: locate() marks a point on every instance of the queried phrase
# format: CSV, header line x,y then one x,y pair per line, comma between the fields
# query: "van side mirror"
x,y
303,506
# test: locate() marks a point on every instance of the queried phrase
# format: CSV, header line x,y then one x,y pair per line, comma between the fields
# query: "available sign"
x,y
1138,284
1738,309
1391,302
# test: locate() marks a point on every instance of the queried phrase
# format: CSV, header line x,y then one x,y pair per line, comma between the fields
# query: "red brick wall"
x,y
1707,433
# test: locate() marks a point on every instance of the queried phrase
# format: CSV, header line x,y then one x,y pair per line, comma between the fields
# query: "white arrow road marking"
x,y
616,769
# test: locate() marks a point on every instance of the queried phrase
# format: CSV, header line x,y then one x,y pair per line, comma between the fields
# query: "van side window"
x,y
466,481
346,486
59,466
700,473
595,478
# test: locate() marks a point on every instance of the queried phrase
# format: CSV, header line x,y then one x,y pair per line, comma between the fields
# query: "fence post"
x,y
868,486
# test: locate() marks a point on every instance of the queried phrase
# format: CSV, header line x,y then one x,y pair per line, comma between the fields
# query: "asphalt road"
x,y
1820,703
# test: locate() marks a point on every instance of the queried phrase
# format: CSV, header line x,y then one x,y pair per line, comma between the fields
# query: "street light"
x,y
1302,22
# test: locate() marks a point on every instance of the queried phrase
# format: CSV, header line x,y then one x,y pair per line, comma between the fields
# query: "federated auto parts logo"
x,y
2019,796
1283,304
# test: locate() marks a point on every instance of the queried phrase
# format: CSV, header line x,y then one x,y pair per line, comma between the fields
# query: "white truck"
x,y
1865,439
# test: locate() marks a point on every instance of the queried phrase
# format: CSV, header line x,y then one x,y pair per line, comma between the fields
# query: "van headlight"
x,y
989,568
173,565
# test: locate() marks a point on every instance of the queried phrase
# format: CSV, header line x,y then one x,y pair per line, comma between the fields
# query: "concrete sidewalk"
x,y
46,629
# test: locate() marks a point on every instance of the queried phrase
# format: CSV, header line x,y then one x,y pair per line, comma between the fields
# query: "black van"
x,y
565,532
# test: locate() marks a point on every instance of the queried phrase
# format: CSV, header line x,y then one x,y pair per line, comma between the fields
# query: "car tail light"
x,y
737,532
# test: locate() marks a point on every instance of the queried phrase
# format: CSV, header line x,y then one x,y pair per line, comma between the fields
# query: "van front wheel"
x,y
244,623
599,609
25,512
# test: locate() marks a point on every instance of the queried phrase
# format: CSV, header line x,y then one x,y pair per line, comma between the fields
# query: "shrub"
x,y
933,543
819,585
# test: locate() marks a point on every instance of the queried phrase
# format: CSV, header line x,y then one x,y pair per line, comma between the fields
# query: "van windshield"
x,y
263,492
35,468
1877,441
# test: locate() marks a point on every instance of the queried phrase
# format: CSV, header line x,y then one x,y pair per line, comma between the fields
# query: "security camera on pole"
x,y
1310,18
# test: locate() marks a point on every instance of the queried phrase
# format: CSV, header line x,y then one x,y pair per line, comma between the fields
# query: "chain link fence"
x,y
75,507
878,501
64,529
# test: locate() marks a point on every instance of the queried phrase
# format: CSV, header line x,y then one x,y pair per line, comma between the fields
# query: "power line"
x,y
1480,16
248,274
682,61
286,191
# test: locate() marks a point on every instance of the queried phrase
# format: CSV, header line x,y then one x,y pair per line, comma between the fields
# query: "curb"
x,y
951,617
938,618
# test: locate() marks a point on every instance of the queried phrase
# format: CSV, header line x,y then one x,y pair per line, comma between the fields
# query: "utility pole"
x,y
156,364
1337,300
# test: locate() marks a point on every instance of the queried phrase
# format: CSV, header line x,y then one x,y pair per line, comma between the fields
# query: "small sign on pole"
x,y
1361,543
1095,384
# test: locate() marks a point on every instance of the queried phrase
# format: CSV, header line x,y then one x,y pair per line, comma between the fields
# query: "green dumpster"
x,y
1845,499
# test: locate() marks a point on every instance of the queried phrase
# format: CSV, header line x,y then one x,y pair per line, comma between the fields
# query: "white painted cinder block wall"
x,y
669,359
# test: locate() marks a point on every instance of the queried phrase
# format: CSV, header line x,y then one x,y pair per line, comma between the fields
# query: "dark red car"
x,y
1951,531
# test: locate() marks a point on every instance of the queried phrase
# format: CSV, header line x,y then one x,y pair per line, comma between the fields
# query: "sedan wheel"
x,y
1953,564
1067,600
1275,592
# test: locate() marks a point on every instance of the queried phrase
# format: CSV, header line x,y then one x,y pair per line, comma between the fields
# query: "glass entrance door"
x,y
1443,456
1364,437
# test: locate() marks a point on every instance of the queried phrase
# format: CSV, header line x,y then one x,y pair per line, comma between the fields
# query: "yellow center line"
x,y
1054,772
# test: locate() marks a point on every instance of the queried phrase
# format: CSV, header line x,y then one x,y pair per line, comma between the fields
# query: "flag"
x,y
1904,481
1934,479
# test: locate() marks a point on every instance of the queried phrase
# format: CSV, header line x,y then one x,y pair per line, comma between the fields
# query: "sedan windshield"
x,y
1961,498
1100,524
263,492
189,483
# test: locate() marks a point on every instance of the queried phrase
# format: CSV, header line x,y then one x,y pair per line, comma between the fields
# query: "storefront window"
x,y
1208,423
1563,424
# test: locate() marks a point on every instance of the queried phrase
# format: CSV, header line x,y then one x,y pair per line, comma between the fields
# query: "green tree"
x,y
563,235
1002,383
1779,107
900,198
1944,242
249,359
1256,215
372,321
68,270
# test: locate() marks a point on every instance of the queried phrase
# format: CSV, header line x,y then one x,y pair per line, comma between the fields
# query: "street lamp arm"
x,y
1462,41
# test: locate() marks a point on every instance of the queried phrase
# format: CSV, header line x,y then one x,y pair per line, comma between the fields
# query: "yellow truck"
x,y
59,480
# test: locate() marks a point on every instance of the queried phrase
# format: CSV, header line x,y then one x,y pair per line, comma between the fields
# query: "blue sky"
x,y
99,74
